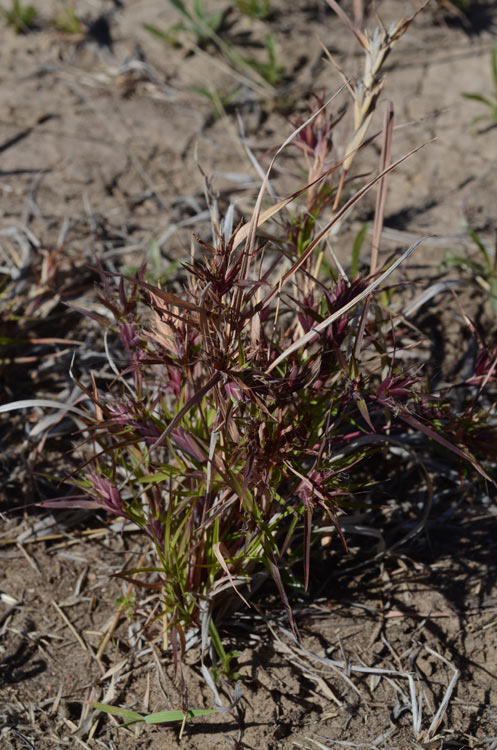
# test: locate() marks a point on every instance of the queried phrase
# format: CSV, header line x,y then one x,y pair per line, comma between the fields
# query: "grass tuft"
x,y
257,393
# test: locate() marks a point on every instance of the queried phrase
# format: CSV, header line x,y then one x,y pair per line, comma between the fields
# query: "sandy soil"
x,y
100,147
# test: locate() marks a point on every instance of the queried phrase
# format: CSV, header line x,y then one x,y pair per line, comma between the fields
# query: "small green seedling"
x,y
225,657
67,21
271,71
259,9
162,717
20,17
205,27
483,271
197,21
356,250
126,603
489,101
219,101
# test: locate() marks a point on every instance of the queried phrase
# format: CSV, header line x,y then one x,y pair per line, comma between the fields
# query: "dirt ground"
x,y
103,142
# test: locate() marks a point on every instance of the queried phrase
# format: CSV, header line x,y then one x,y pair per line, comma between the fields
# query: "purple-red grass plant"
x,y
253,394
226,442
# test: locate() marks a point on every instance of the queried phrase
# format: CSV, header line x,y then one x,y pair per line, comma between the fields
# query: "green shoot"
x,y
67,20
225,657
161,717
126,603
20,17
219,100
488,101
197,21
259,9
271,71
483,271
356,250
168,36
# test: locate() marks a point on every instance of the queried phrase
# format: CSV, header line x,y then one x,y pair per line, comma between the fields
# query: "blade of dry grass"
x,y
29,403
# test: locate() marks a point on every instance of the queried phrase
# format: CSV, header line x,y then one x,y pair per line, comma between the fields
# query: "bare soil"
x,y
101,140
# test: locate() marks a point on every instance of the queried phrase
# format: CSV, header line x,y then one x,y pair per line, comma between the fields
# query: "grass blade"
x,y
163,717
334,316
29,403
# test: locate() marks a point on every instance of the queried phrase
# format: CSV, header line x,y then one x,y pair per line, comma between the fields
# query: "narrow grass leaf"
x,y
478,98
356,250
124,713
429,432
309,336
162,717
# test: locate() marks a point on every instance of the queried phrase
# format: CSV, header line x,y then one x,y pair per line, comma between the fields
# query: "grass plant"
x,y
250,410
490,102
19,16
483,270
272,70
260,76
67,20
218,99
195,20
259,9
258,392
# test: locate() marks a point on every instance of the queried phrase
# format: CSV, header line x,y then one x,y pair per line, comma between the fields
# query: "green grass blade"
x,y
164,36
494,67
478,98
163,717
479,244
356,250
125,713
179,5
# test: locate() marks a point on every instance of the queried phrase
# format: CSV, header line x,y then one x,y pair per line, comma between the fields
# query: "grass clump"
x,y
240,424
242,419
200,28
19,16
483,268
271,70
198,22
257,390
67,20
